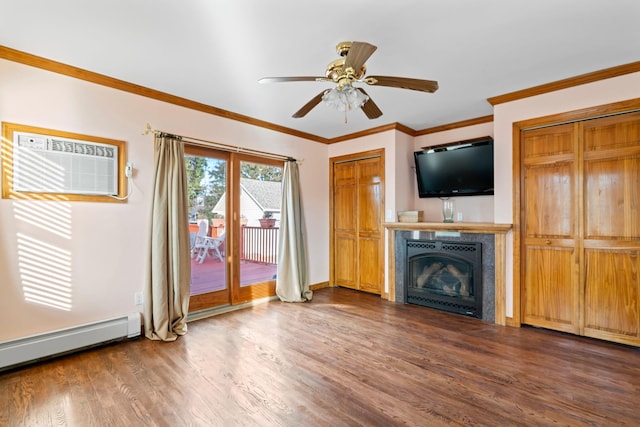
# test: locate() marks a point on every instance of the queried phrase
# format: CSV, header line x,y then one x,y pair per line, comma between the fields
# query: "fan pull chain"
x,y
345,112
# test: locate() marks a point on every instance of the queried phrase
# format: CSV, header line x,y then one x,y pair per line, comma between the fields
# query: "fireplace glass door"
x,y
445,275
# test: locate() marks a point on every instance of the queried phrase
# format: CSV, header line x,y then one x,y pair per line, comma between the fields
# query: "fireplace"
x,y
444,275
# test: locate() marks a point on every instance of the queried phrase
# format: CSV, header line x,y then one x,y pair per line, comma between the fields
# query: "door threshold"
x,y
214,311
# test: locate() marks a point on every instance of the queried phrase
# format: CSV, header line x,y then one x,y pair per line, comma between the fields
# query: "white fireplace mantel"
x,y
499,230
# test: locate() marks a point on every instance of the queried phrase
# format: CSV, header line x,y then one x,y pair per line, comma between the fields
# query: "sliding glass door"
x,y
260,193
234,205
207,183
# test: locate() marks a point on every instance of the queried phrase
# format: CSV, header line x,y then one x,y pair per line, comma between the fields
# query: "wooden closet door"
x,y
612,228
550,241
358,250
345,241
370,254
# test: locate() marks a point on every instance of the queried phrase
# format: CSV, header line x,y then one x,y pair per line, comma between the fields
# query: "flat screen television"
x,y
460,170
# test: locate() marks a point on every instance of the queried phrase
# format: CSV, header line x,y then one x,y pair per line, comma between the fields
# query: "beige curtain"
x,y
291,282
166,299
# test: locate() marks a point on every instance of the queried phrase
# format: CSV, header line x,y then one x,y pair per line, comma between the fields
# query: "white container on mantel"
x,y
410,216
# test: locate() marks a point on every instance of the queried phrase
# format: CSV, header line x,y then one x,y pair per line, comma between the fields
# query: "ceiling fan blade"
x,y
308,106
358,54
402,82
293,79
370,108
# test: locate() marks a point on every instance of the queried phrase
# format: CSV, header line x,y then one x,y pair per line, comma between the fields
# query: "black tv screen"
x,y
461,170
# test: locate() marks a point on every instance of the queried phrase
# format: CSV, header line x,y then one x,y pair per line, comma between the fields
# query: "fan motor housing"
x,y
336,72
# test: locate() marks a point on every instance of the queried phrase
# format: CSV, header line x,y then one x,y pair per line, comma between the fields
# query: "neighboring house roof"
x,y
219,208
267,195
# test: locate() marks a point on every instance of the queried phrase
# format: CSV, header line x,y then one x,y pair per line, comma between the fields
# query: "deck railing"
x,y
259,244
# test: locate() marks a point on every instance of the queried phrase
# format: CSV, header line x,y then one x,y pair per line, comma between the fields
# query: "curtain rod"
x,y
212,144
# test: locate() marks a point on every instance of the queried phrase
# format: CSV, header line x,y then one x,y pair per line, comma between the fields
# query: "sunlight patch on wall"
x,y
45,268
45,273
53,217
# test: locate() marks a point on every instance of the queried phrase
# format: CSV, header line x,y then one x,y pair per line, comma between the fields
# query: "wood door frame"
x,y
518,127
350,158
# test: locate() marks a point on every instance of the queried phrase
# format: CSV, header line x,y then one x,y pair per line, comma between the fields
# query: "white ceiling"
x,y
214,51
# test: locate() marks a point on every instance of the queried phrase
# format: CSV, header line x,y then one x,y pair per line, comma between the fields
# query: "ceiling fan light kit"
x,y
344,98
346,71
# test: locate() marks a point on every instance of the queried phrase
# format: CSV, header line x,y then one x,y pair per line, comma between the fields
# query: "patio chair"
x,y
207,244
203,243
197,239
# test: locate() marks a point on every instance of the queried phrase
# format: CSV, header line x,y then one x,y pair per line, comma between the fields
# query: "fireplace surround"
x,y
494,269
487,242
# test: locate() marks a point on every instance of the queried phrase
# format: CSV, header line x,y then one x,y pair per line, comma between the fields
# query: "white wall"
x,y
405,176
107,242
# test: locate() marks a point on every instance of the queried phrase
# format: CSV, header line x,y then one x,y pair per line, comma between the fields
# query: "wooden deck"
x,y
210,275
344,359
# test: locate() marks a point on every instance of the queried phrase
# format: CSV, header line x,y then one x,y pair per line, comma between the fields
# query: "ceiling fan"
x,y
346,71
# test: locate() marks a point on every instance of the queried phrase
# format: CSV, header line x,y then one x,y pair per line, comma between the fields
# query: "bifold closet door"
x,y
612,228
370,235
550,292
345,225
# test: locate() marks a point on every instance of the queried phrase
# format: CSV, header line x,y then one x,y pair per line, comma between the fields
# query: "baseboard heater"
x,y
21,351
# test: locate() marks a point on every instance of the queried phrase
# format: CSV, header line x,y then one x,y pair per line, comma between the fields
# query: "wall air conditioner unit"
x,y
51,164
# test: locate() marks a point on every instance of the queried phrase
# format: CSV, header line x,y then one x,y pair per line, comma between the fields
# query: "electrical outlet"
x,y
128,170
138,298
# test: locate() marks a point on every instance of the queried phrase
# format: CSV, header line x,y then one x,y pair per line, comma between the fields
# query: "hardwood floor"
x,y
344,359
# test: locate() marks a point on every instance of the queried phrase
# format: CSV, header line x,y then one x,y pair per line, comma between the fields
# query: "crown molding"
x,y
567,83
456,125
89,76
373,131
